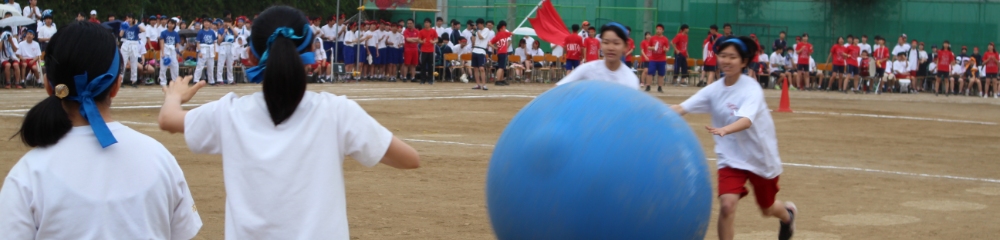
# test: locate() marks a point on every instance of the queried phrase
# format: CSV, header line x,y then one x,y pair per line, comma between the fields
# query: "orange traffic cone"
x,y
785,105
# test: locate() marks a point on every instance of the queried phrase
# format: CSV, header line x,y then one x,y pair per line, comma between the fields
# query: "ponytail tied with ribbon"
x,y
85,93
254,74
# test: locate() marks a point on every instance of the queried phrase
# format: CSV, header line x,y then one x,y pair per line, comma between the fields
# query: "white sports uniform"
x,y
286,181
206,50
596,70
75,189
226,55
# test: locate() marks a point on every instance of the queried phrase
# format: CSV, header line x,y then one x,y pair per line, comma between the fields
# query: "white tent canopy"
x,y
524,31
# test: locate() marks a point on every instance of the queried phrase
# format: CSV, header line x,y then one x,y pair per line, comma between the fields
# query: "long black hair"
x,y
746,47
285,77
77,48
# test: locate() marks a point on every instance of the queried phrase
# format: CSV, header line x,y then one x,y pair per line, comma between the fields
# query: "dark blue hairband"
x,y
254,73
743,47
619,26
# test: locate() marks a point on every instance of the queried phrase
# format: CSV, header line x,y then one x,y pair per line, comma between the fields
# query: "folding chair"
x,y
465,59
448,59
510,67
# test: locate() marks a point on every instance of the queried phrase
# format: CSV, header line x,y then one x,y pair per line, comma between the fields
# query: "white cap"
x,y
93,12
904,35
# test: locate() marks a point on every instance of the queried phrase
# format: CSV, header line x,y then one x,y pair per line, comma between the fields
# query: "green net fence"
x,y
962,22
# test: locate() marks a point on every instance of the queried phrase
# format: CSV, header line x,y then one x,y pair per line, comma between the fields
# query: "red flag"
x,y
549,25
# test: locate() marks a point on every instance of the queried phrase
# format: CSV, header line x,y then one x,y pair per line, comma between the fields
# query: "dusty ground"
x,y
858,166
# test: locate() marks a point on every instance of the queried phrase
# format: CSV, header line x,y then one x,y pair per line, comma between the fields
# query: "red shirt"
x,y
681,42
882,56
804,50
502,40
593,47
410,33
94,20
628,48
710,59
836,53
660,46
865,64
853,52
574,47
945,58
427,39
644,47
993,66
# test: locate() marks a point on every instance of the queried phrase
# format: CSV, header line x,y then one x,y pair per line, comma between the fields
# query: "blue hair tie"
x,y
85,93
254,73
619,26
743,47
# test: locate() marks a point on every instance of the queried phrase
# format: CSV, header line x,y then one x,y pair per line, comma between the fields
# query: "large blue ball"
x,y
596,160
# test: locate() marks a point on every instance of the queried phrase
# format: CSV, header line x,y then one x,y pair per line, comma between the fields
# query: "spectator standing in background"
x,y
46,30
34,13
780,43
93,17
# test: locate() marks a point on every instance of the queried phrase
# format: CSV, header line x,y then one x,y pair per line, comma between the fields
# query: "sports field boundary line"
x,y
896,117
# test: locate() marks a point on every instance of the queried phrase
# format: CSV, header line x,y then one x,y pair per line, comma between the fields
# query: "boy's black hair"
x,y
502,24
727,25
714,27
660,25
684,26
480,21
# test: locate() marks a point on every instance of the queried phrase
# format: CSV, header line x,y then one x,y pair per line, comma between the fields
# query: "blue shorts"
x,y
572,64
397,55
374,52
362,54
502,60
852,70
329,47
350,54
478,60
340,52
657,69
383,57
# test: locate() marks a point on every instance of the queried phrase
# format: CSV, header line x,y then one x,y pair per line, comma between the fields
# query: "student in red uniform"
x,y
943,61
804,50
411,53
428,36
881,57
711,60
644,54
592,46
992,62
501,42
574,46
658,47
680,45
837,52
852,54
629,48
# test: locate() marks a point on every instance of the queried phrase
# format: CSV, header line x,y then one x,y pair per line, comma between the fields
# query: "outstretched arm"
x,y
171,117
400,155
735,127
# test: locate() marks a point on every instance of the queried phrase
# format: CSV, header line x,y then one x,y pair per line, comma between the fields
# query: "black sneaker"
x,y
647,88
477,87
484,88
788,229
659,89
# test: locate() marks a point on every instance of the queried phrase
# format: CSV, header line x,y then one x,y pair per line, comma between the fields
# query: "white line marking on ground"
x,y
896,117
448,142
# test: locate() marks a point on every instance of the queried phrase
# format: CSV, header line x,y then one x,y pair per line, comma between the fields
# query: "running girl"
x,y
281,156
745,139
614,37
121,185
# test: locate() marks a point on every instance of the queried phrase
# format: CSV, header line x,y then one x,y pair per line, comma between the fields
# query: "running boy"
x,y
283,137
746,143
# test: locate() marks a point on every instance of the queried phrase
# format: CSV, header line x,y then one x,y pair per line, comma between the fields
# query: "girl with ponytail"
x,y
746,142
89,176
282,148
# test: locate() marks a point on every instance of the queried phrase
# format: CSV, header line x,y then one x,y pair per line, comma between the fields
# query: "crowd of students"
x,y
21,46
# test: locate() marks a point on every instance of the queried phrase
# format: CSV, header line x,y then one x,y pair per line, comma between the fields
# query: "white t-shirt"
x,y
754,149
865,47
373,41
462,50
762,58
382,37
28,50
900,67
900,49
286,181
521,53
957,69
349,38
46,31
536,52
442,30
480,44
777,61
467,35
75,189
26,12
595,70
812,64
529,42
557,50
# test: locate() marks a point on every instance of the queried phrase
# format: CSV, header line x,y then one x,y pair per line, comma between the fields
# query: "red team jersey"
x,y
681,41
644,47
945,58
502,41
574,47
804,50
992,66
660,44
410,33
710,59
836,53
882,56
628,48
428,37
593,47
853,52
865,64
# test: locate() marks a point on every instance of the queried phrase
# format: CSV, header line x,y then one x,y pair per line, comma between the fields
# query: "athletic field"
x,y
895,166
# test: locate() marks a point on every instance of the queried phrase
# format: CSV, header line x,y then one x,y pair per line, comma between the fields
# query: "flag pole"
x,y
529,14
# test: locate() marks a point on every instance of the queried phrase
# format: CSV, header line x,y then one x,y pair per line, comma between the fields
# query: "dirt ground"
x,y
858,166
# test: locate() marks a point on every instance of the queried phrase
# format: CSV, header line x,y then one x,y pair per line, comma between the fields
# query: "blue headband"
x,y
254,73
85,93
743,47
618,25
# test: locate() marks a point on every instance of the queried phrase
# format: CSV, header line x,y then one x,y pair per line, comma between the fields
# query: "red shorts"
x,y
28,62
153,45
913,73
246,62
411,57
902,76
10,63
319,64
733,181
